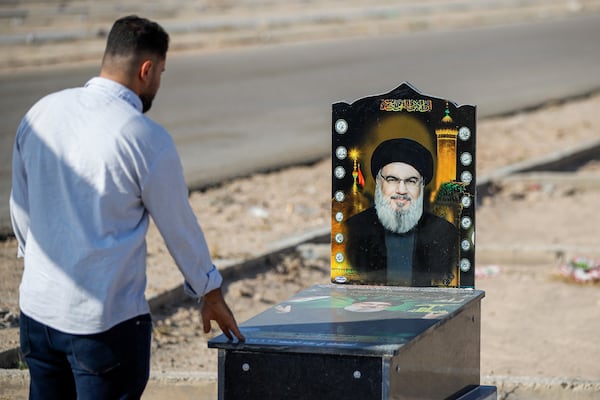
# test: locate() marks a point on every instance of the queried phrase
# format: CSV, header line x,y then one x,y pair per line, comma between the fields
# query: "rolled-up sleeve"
x,y
165,196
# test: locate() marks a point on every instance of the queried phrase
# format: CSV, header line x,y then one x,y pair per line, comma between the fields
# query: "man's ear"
x,y
145,70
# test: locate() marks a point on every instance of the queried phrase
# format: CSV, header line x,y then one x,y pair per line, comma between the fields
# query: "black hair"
x,y
133,35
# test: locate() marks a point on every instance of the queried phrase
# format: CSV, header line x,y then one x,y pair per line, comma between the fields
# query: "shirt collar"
x,y
116,89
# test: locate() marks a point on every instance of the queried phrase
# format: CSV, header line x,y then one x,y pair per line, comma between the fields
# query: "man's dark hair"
x,y
133,35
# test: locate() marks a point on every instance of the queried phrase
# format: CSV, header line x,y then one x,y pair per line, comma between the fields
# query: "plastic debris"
x,y
581,270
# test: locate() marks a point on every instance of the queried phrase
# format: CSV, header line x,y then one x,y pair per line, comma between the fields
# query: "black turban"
x,y
405,151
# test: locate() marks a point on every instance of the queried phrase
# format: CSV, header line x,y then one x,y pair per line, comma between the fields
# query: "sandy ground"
x,y
536,326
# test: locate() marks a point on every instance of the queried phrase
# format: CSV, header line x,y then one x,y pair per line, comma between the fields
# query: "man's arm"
x,y
165,196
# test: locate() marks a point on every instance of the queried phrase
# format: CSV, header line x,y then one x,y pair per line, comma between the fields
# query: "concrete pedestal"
x,y
358,342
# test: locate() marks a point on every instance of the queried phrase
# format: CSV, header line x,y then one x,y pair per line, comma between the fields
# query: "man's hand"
x,y
214,308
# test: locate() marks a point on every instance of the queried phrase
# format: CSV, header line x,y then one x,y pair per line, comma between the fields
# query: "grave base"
x,y
359,342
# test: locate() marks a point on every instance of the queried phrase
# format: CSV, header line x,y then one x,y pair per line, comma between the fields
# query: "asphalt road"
x,y
240,111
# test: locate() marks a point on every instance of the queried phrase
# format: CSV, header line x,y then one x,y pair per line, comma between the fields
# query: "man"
x,y
89,169
395,242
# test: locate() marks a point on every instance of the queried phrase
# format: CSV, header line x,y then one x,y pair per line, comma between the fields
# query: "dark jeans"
x,y
114,364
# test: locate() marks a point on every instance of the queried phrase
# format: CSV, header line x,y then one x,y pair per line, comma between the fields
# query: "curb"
x,y
553,162
204,385
260,22
249,267
221,29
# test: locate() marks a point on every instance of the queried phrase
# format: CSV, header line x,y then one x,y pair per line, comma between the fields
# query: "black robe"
x,y
435,253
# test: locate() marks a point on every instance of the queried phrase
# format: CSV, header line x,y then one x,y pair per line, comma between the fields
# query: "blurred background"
x,y
251,82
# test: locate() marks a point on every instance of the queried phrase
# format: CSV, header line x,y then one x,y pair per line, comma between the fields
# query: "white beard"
x,y
398,221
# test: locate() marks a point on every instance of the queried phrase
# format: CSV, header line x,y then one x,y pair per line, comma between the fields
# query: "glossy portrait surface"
x,y
403,191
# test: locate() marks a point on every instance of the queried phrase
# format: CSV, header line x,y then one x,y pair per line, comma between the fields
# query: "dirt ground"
x,y
536,326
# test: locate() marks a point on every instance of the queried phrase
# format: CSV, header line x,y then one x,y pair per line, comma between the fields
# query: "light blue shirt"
x,y
89,168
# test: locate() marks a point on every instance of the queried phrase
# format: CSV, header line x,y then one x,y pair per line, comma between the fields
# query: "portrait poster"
x,y
403,191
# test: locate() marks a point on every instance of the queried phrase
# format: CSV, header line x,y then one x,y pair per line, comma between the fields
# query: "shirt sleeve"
x,y
165,196
19,204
